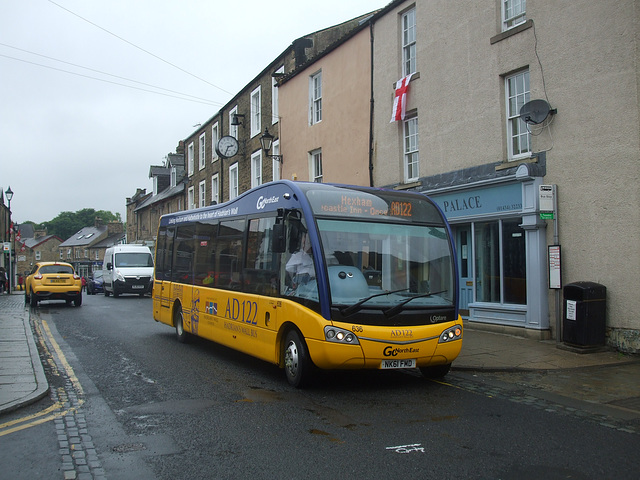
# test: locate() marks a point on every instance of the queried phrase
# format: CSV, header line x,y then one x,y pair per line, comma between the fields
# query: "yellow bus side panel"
x,y
252,324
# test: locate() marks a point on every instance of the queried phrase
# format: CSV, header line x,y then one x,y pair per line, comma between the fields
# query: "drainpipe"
x,y
371,110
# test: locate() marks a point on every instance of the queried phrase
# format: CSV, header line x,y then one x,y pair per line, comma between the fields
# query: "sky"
x,y
92,93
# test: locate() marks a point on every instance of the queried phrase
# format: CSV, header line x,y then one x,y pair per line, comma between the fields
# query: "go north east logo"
x,y
211,308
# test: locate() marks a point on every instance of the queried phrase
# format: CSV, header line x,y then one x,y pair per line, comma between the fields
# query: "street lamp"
x,y
9,194
267,140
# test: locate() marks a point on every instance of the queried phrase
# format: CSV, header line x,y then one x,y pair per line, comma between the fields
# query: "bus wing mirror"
x,y
109,266
278,240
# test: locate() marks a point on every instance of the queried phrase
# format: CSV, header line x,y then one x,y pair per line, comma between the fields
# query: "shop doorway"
x,y
465,266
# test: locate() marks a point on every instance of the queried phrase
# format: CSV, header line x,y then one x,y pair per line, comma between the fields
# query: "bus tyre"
x,y
297,365
436,371
178,321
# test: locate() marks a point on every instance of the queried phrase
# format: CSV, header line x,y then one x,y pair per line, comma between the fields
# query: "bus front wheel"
x,y
297,365
178,321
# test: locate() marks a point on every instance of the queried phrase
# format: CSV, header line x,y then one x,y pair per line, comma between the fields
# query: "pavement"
x,y
23,381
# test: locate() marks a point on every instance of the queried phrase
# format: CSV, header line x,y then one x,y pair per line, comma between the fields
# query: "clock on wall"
x,y
227,146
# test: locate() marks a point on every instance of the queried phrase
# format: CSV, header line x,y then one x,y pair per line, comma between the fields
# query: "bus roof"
x,y
323,199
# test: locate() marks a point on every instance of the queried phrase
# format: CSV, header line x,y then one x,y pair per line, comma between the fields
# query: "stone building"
x,y
35,246
145,209
85,249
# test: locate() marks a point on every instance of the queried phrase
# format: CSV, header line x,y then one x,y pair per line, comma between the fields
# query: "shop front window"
x,y
501,273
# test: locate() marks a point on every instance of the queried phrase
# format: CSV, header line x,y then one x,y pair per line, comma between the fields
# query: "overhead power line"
x,y
204,100
140,48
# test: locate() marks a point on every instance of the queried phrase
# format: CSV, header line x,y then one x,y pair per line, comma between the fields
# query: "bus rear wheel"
x,y
436,371
297,364
178,321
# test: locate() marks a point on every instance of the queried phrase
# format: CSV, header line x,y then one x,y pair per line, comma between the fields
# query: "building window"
x,y
256,169
315,98
174,177
316,165
233,129
61,255
274,97
215,189
191,199
256,113
233,181
409,42
190,159
202,192
215,136
513,13
86,253
203,147
68,253
518,136
501,267
275,165
411,146
39,255
97,255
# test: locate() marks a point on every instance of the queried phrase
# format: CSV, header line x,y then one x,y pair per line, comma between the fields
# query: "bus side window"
x,y
182,271
261,273
229,254
206,237
167,254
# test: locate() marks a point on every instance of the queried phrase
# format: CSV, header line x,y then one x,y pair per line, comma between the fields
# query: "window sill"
x,y
515,162
512,31
407,186
414,76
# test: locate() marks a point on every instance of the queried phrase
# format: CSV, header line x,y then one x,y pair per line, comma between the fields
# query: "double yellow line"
x,y
57,409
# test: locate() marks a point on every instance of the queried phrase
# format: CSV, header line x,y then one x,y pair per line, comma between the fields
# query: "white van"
x,y
127,269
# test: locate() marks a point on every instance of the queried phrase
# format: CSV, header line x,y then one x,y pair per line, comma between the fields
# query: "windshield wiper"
x,y
393,311
350,310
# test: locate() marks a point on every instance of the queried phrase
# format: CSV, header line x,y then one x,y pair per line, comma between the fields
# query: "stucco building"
x,y
324,113
214,177
464,142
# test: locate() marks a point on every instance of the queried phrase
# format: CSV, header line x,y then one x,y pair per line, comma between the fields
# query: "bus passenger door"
x,y
162,280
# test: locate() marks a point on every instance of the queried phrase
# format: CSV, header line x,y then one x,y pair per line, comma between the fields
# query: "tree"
x,y
68,223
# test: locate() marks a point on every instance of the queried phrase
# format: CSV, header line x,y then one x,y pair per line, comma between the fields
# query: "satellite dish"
x,y
535,111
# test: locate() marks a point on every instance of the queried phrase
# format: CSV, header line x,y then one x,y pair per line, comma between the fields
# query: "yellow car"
x,y
53,281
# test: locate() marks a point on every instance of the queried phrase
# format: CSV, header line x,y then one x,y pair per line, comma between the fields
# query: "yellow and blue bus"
x,y
313,275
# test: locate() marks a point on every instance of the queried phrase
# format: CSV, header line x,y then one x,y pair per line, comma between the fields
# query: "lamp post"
x,y
267,140
9,194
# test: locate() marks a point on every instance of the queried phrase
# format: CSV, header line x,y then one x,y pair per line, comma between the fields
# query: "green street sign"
x,y
546,216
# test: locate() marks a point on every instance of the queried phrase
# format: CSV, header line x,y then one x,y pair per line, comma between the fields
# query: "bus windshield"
x,y
379,265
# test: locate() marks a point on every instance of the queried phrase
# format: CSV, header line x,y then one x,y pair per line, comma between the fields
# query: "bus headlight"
x,y
339,335
451,334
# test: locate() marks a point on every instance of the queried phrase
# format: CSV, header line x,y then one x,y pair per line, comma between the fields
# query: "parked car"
x,y
53,281
94,285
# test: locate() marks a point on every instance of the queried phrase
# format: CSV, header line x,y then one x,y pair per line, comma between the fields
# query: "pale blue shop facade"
x,y
501,242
